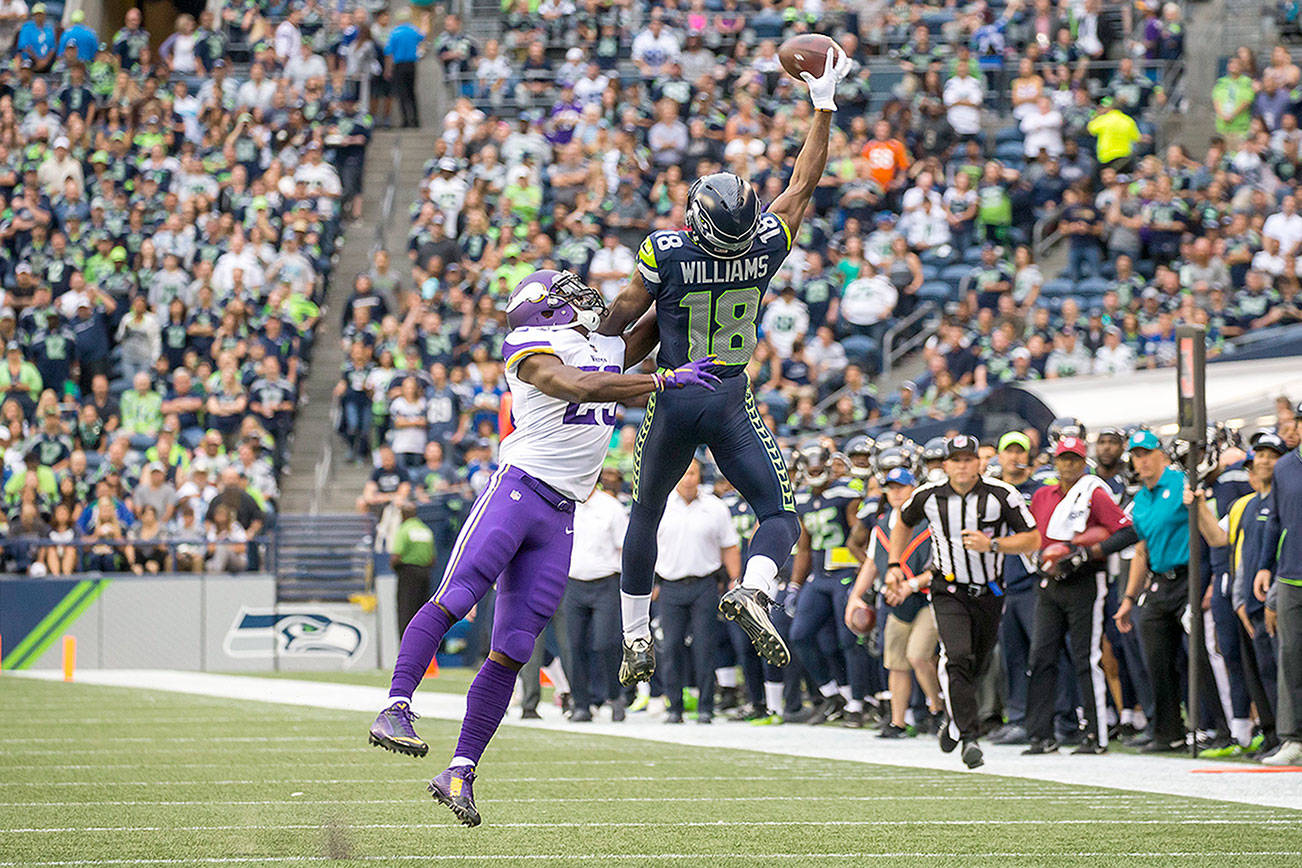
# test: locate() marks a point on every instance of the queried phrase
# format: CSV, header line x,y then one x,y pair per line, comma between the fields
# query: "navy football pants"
x,y
727,421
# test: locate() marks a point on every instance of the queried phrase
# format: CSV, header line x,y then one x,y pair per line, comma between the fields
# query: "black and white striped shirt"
x,y
995,508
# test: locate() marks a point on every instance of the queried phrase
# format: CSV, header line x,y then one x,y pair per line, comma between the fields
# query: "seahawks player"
x,y
706,282
824,571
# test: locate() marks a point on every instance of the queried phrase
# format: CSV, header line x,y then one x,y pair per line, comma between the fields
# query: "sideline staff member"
x,y
411,557
696,538
1161,564
974,523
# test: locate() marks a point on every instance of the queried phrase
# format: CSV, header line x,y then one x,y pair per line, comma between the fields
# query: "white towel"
x,y
1072,514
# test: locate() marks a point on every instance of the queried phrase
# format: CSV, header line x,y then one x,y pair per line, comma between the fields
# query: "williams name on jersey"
x,y
707,304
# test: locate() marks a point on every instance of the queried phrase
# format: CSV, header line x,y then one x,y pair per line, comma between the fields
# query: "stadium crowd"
x,y
579,129
169,213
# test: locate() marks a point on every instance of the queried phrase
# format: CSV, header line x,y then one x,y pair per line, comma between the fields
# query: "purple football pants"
x,y
518,534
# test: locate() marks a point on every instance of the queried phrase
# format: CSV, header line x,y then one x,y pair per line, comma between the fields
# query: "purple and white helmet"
x,y
554,299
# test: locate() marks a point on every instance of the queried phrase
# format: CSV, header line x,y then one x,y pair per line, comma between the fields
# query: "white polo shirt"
x,y
693,535
599,525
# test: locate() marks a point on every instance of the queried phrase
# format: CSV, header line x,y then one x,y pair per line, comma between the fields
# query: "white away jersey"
x,y
560,442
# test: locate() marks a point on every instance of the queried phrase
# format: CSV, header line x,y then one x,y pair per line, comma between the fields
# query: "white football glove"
x,y
822,90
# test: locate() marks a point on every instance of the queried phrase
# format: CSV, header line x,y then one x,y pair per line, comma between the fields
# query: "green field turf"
x,y
110,776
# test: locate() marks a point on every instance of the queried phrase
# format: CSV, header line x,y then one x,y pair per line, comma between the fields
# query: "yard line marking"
x,y
624,857
1091,800
710,824
422,780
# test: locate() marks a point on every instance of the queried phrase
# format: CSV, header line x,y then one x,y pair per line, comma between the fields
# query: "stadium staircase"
x,y
320,480
323,557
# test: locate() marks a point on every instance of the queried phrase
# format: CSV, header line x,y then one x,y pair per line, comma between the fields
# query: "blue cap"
x,y
1143,439
900,476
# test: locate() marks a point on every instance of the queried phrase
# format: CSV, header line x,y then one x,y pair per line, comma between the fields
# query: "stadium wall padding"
x,y
219,623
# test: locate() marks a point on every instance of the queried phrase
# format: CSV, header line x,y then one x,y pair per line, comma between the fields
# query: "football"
x,y
1053,553
806,53
863,621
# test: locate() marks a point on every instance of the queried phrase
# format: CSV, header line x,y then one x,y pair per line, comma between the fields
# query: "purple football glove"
x,y
697,373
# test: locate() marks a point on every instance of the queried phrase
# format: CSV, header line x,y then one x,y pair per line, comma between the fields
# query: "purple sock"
x,y
486,702
420,642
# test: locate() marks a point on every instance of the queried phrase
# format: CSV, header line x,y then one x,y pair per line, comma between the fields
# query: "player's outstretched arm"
x,y
553,377
631,303
641,339
812,159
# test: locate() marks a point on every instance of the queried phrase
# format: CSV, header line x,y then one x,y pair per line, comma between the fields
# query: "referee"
x,y
974,523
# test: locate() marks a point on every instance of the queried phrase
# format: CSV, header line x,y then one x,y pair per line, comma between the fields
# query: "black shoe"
x,y
674,717
1125,731
972,756
530,714
750,609
1070,739
800,715
1140,740
1158,745
618,708
1220,741
639,662
567,702
831,708
947,741
890,730
1040,746
852,720
704,719
1090,745
581,715
729,698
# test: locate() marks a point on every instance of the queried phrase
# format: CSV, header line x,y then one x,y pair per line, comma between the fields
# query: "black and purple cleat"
x,y
393,731
455,788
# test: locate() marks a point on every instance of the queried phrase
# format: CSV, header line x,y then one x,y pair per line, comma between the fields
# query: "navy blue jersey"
x,y
823,515
743,518
705,304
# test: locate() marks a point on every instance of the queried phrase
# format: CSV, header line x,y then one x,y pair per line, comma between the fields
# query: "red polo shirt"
x,y
1104,512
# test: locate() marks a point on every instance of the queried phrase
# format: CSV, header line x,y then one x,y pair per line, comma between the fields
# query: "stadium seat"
x,y
1093,286
972,255
1057,288
930,271
1008,134
938,291
1009,150
954,274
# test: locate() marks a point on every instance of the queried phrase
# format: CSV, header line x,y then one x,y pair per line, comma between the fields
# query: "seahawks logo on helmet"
x,y
722,214
267,633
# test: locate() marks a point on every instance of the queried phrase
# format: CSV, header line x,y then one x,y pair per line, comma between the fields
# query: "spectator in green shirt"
x,y
19,378
1232,97
142,412
411,557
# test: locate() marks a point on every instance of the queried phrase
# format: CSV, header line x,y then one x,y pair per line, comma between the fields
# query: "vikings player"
x,y
565,381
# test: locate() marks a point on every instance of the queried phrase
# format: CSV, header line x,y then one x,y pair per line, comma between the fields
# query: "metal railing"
x,y
258,550
906,335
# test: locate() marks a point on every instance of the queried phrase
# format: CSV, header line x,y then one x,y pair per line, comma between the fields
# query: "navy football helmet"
x,y
723,214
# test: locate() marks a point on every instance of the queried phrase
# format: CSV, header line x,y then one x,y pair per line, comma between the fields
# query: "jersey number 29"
x,y
724,327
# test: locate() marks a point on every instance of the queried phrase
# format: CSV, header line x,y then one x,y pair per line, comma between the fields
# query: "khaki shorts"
x,y
905,640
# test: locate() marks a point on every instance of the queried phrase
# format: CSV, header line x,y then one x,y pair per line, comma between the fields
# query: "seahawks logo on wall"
x,y
267,632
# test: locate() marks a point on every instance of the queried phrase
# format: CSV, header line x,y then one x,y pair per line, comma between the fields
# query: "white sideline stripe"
x,y
1116,772
376,780
694,825
624,857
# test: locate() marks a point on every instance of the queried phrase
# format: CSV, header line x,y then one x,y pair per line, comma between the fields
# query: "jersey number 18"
x,y
724,327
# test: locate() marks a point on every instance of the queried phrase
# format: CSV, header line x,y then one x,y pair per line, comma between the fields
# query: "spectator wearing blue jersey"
x,y
81,37
402,51
36,39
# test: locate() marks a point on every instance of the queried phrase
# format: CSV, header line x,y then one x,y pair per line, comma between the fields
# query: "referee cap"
x,y
1014,438
1143,439
961,444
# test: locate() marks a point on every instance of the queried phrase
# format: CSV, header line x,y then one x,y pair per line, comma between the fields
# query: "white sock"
x,y
854,706
637,616
726,676
461,761
844,690
773,696
762,575
1241,730
828,689
1112,717
1141,719
1127,716
556,673
644,689
393,699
